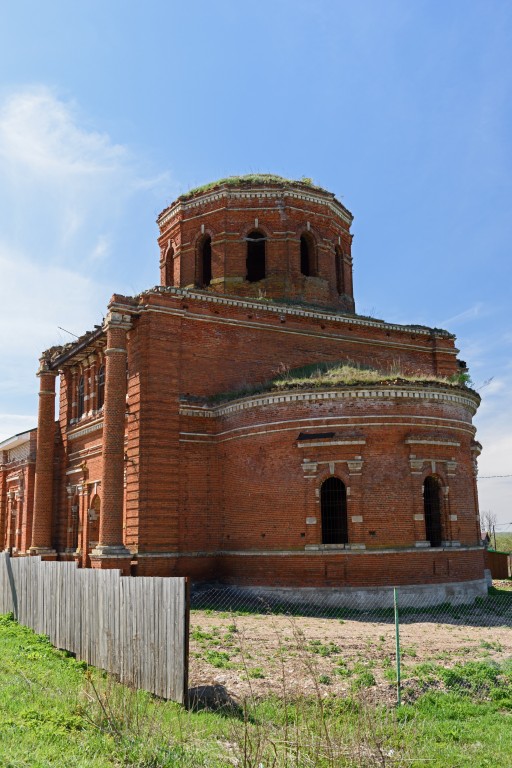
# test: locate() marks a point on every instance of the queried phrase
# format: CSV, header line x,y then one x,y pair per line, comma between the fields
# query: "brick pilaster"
x,y
111,551
3,502
43,493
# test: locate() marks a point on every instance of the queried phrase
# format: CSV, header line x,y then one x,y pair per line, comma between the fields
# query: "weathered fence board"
x,y
136,628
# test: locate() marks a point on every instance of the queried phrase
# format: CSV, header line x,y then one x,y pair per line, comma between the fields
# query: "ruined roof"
x,y
254,180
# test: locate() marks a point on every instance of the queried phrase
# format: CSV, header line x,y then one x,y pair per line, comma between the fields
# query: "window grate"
x,y
333,501
432,510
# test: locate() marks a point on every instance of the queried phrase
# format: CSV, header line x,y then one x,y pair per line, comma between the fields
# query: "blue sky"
x,y
109,110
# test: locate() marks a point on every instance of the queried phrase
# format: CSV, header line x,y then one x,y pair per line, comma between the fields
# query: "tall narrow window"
x,y
305,265
204,263
81,397
100,397
94,522
169,266
255,261
333,503
432,510
340,274
206,257
74,524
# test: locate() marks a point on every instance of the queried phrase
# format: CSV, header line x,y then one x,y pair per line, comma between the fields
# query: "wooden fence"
x,y
135,628
499,564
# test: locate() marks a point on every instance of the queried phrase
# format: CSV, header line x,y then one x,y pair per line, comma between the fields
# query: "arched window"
x,y
100,394
81,397
74,523
333,503
340,273
169,266
432,510
204,263
255,261
305,260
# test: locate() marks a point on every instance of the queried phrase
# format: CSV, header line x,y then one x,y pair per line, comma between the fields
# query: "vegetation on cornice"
x,y
341,374
252,179
306,305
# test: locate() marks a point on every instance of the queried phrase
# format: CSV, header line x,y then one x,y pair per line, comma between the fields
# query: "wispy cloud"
x,y
40,134
64,189
72,180
473,312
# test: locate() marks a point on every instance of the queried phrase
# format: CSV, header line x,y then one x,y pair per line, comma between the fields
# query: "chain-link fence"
x,y
247,644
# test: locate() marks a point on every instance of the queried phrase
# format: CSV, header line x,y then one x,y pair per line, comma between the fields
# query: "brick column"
x,y
9,530
3,501
43,492
111,552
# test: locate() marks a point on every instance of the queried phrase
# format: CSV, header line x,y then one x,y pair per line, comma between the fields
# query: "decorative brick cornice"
x,y
258,192
426,441
468,400
73,434
115,319
283,309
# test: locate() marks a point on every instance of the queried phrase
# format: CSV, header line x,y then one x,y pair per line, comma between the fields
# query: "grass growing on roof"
x,y
250,179
337,374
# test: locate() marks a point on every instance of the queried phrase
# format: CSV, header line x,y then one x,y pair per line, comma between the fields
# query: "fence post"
x,y
397,643
12,585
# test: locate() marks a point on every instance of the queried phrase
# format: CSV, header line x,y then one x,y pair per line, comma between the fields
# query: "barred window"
x,y
333,502
432,510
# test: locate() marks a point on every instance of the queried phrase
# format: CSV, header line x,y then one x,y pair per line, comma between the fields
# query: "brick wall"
x,y
228,491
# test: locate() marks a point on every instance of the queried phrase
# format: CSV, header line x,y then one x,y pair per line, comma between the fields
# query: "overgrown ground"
x,y
504,542
283,693
260,655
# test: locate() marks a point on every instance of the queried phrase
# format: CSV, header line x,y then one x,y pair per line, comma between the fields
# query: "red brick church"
x,y
241,423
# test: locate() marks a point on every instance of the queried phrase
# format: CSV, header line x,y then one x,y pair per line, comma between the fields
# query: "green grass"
x,y
503,542
55,711
250,180
322,375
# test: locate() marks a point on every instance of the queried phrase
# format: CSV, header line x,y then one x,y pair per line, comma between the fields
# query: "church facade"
x,y
241,423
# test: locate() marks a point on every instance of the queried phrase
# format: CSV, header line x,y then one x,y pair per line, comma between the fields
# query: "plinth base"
x,y
111,556
45,553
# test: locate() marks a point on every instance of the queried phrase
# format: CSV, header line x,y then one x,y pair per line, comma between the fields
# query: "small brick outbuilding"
x,y
241,423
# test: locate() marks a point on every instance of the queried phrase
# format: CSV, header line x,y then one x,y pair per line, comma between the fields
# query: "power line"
x,y
490,477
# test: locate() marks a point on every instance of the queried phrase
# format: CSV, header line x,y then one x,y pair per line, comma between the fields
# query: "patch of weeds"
x,y
364,679
408,651
219,659
200,635
362,666
502,696
256,673
427,671
389,674
324,680
323,649
342,669
492,645
472,677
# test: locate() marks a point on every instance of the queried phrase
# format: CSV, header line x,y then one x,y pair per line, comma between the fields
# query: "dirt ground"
x,y
260,655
